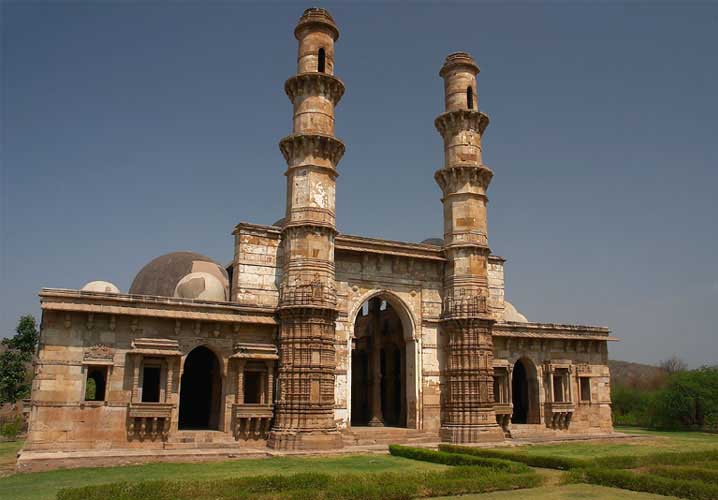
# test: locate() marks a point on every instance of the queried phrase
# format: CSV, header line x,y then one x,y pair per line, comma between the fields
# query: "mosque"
x,y
312,339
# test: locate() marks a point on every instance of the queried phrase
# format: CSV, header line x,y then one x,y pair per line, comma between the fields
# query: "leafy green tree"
x,y
15,376
690,400
25,338
14,383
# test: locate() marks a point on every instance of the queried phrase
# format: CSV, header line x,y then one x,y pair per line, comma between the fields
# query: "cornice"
x,y
452,122
297,147
315,84
451,178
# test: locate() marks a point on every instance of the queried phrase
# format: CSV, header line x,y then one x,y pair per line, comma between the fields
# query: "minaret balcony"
x,y
452,122
302,148
303,294
315,84
465,306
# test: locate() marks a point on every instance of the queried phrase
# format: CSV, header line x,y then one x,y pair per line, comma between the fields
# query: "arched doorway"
x,y
378,361
201,391
524,389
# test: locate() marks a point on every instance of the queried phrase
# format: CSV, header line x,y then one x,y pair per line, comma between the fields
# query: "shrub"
x,y
686,472
448,458
649,483
313,486
547,461
12,428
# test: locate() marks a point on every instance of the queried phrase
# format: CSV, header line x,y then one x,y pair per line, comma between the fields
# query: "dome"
x,y
100,286
512,314
203,286
438,242
162,275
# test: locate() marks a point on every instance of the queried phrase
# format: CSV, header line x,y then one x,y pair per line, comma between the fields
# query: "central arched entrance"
x,y
378,392
524,390
201,391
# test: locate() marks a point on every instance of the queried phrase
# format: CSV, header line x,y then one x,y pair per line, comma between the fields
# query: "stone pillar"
x,y
304,412
270,382
376,418
240,381
468,415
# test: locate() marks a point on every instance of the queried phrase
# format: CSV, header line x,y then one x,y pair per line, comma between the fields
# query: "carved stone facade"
x,y
309,334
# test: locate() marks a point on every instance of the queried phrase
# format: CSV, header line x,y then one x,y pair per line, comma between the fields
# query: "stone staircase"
x,y
367,436
525,431
204,439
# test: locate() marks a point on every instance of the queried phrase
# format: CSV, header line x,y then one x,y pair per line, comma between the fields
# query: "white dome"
x,y
100,286
512,314
200,285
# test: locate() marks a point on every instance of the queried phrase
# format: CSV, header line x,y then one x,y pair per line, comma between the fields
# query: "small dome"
x,y
100,286
203,286
512,314
433,241
161,276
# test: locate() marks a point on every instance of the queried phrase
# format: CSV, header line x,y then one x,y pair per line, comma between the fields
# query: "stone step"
x,y
365,436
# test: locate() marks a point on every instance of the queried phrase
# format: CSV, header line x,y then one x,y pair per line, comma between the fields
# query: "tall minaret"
x,y
304,416
468,415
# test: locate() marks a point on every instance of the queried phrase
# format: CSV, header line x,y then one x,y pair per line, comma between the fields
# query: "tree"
x,y
674,364
14,380
15,374
26,336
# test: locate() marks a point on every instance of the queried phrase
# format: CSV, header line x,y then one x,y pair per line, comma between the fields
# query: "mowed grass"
x,y
567,492
650,442
44,485
8,455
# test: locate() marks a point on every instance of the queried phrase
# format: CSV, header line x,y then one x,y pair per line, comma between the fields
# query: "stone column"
x,y
270,382
468,414
376,417
240,381
304,413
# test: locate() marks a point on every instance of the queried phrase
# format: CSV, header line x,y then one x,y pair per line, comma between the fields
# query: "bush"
x,y
547,461
10,430
447,458
686,472
649,483
313,486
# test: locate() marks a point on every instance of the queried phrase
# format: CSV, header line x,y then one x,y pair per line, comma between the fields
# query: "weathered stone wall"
x,y
257,265
496,286
61,419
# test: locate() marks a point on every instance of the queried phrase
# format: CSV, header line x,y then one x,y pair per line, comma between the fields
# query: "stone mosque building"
x,y
312,339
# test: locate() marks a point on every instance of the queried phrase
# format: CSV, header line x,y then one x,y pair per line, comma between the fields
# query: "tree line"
x,y
676,399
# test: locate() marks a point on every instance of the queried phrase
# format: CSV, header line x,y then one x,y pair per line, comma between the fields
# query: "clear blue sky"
x,y
132,129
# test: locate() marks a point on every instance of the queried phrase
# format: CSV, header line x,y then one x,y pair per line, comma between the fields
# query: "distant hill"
x,y
636,374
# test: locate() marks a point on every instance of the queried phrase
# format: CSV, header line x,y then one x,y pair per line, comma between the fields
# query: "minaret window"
x,y
470,97
322,61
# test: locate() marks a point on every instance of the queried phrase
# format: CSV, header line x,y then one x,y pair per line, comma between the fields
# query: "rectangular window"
x,y
558,388
151,384
585,383
96,383
252,387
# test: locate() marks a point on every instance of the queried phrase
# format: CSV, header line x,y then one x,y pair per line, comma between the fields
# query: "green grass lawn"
x,y
651,442
567,492
8,455
44,485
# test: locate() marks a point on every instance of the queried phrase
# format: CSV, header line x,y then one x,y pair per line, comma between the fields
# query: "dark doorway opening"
x,y
520,390
200,395
525,393
378,367
321,63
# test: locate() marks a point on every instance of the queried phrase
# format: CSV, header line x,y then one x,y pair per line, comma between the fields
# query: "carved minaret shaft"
x,y
468,414
304,416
